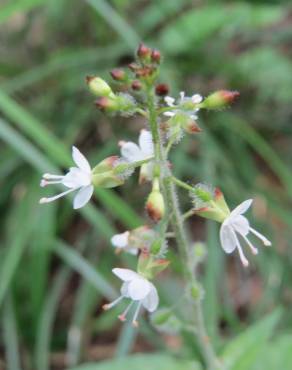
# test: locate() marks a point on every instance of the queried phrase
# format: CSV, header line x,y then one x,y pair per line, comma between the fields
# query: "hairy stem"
x,y
169,191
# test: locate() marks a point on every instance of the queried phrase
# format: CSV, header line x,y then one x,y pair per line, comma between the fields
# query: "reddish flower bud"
x,y
136,85
105,104
156,56
133,66
191,127
220,99
161,89
143,51
155,206
118,74
144,71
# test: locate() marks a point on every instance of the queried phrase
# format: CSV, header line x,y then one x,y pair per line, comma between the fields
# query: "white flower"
x,y
183,105
134,153
121,241
138,289
236,224
78,178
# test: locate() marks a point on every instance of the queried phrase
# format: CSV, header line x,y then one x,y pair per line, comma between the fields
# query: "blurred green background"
x,y
55,270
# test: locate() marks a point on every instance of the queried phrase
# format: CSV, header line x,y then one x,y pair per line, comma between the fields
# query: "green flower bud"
x,y
197,292
200,251
166,322
210,204
99,87
104,175
220,99
161,316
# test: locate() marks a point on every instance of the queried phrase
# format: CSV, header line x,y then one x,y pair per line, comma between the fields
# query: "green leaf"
x,y
276,355
17,6
242,351
142,362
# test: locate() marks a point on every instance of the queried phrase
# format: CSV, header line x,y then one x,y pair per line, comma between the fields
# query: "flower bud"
x,y
210,205
143,52
118,74
158,265
191,126
220,99
136,85
156,56
155,203
197,291
165,321
161,89
104,175
99,87
106,104
133,66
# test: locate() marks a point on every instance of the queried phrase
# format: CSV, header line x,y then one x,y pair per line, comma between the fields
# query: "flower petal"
x,y
125,274
120,240
139,288
240,224
146,143
197,98
241,208
169,101
125,289
182,95
80,160
83,196
131,152
150,302
169,114
76,178
227,238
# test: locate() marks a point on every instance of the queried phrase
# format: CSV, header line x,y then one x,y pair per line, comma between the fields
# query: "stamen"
x,y
253,249
51,199
49,182
241,254
135,322
123,316
266,241
112,304
49,176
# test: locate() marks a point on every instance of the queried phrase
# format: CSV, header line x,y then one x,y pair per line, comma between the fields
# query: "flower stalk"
x,y
171,200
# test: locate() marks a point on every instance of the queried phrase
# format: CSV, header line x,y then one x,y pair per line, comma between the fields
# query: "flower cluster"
x,y
167,119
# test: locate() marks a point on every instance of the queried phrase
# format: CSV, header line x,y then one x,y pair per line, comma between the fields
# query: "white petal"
x,y
76,178
131,152
227,238
169,101
241,208
120,240
125,289
146,143
133,251
182,95
240,224
139,288
150,302
80,160
169,114
197,98
125,274
83,196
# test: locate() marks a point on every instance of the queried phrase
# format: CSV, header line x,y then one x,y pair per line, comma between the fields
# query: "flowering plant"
x,y
166,120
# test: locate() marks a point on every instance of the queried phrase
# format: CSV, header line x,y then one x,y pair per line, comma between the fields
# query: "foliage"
x,y
53,275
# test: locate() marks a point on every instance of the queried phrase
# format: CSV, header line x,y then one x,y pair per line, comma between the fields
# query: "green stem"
x,y
171,200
